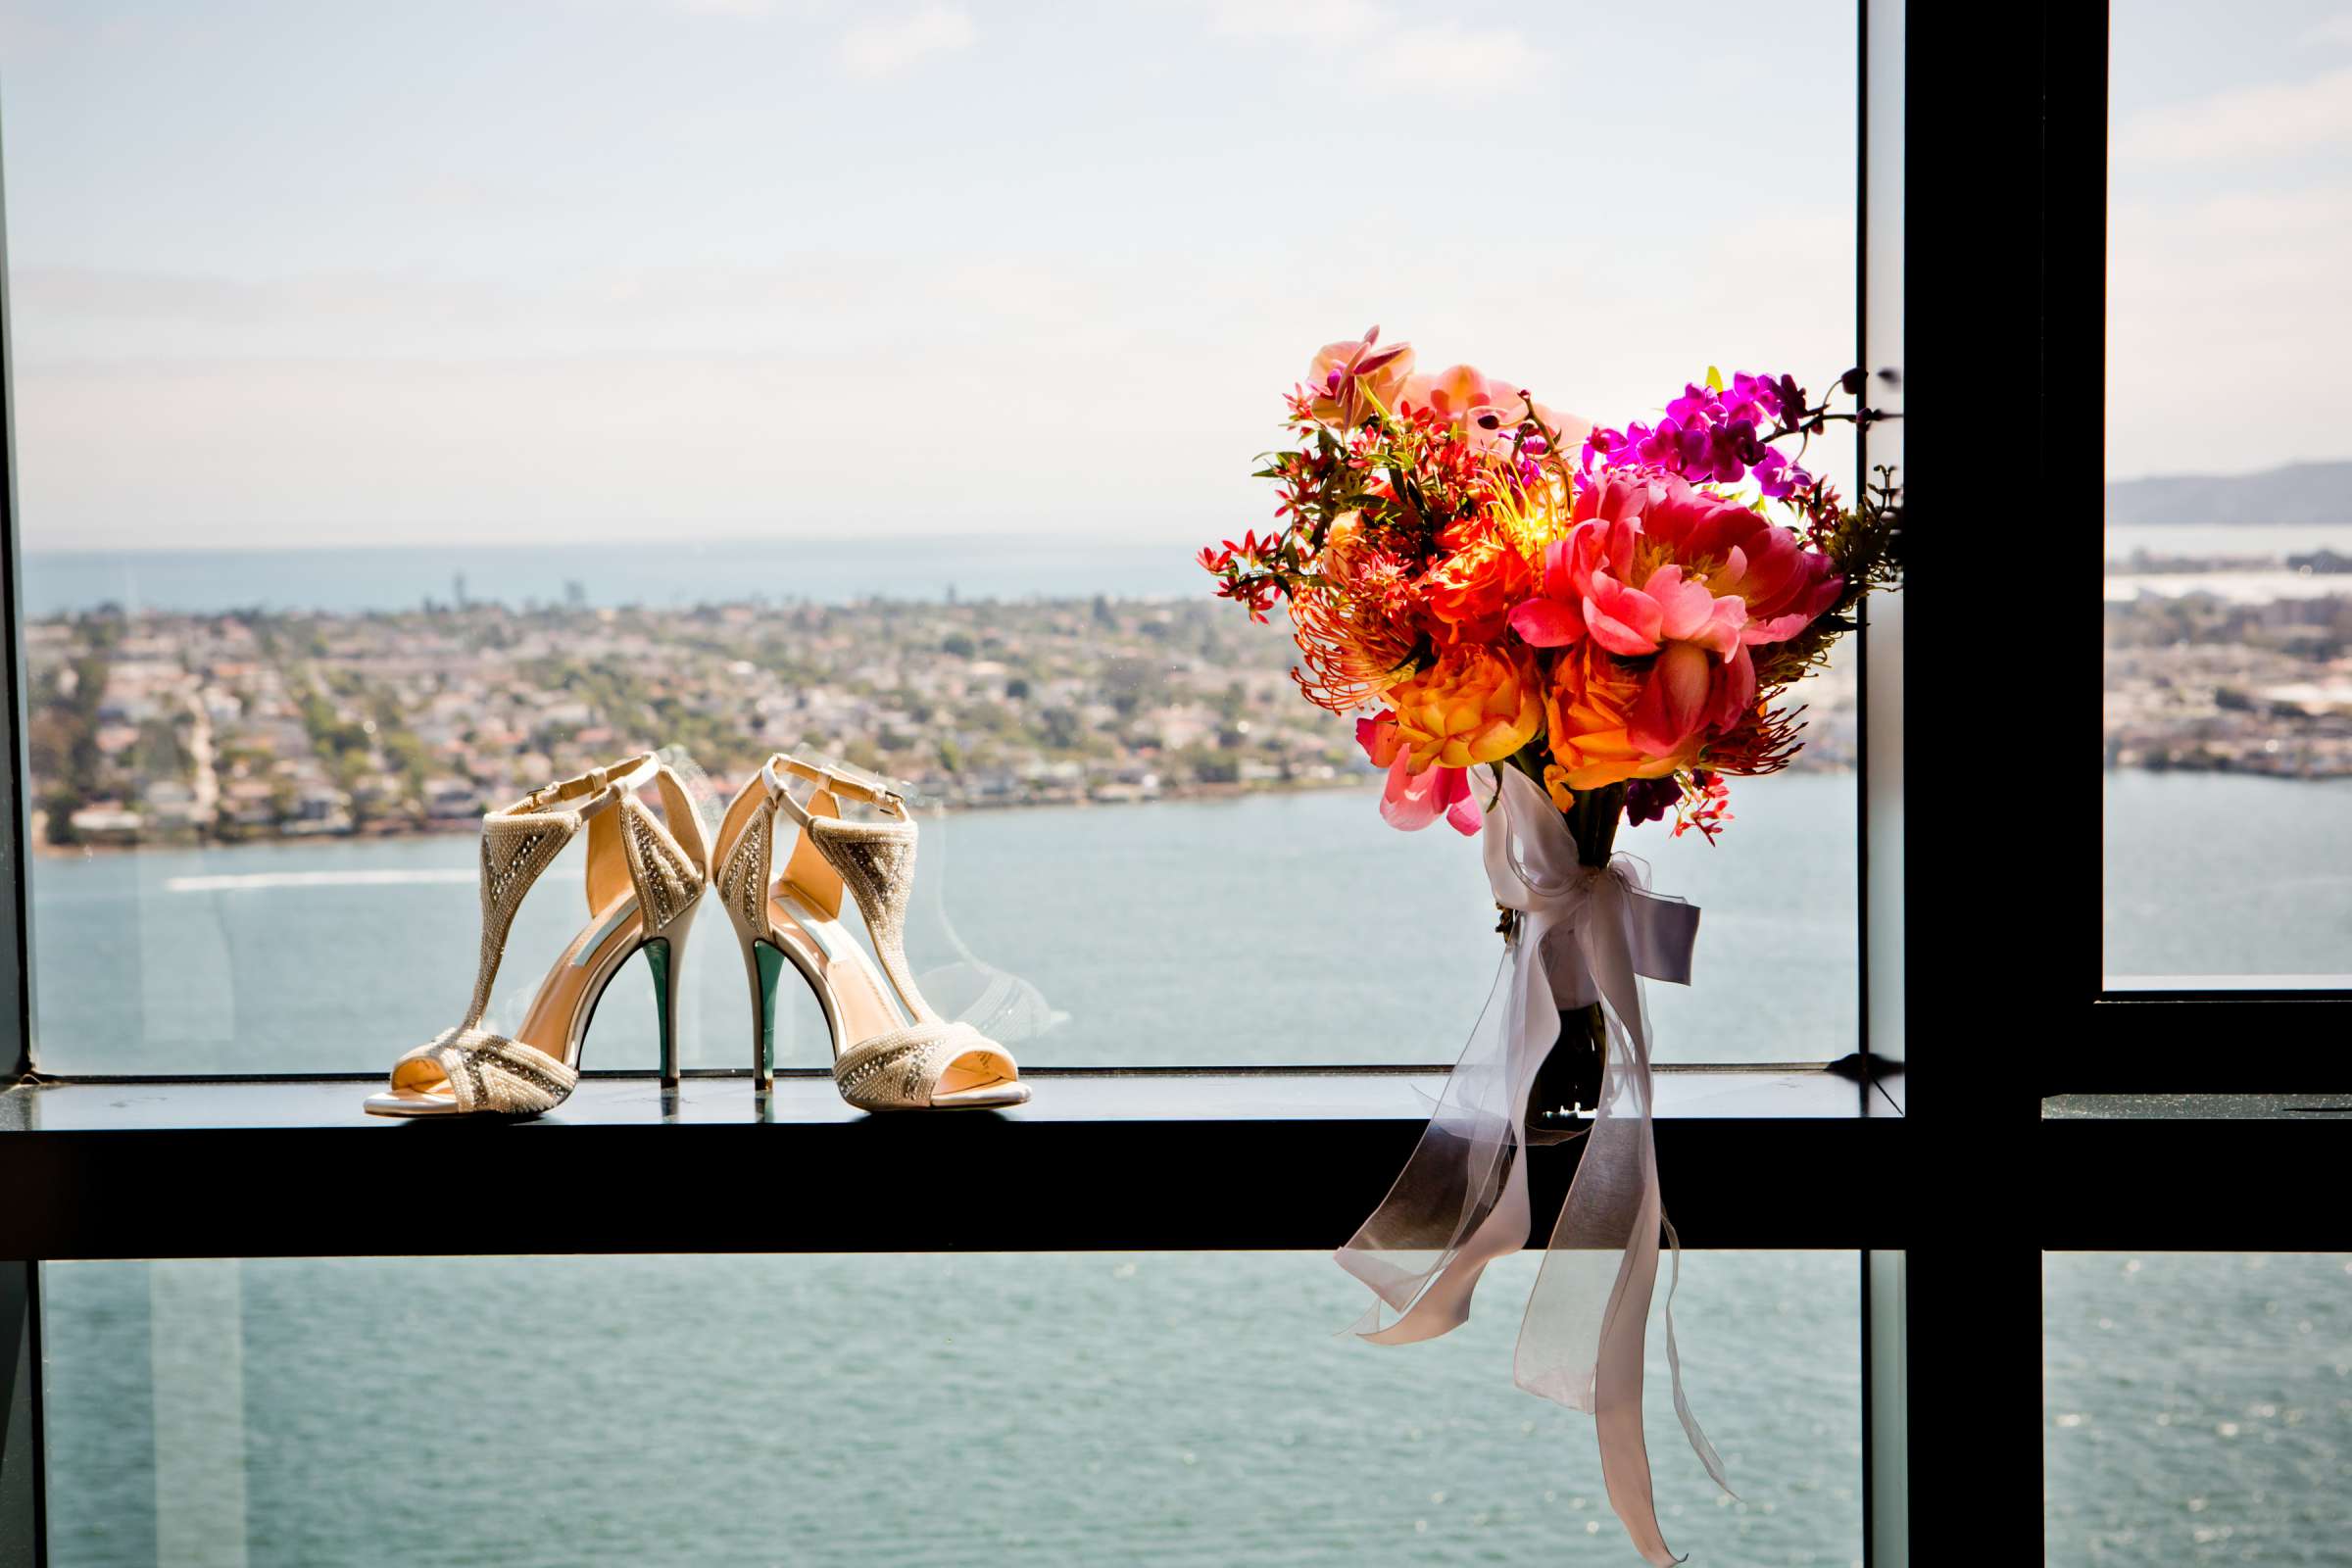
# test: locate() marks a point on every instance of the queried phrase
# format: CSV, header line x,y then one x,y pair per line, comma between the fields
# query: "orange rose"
x,y
1586,711
1473,590
1474,705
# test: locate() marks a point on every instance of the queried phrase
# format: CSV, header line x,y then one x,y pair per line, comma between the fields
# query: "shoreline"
x,y
43,848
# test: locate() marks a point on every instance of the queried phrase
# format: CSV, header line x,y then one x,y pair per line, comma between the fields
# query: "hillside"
x,y
2300,492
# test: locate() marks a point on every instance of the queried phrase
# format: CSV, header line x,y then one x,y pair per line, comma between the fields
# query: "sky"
x,y
318,273
2229,234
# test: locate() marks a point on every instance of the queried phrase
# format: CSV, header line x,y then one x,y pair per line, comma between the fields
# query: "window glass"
x,y
2198,1406
1097,1407
418,405
2228,589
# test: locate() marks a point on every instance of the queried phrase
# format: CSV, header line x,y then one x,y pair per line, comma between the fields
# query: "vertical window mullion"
x,y
16,805
24,1536
1886,1469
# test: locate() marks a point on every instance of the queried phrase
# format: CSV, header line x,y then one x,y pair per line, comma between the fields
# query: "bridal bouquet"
x,y
1610,611
1556,627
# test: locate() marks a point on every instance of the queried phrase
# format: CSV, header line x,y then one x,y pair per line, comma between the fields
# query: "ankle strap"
x,y
599,786
854,782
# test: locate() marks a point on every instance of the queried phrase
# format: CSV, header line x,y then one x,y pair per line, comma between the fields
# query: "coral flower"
x,y
1589,713
1413,801
1475,705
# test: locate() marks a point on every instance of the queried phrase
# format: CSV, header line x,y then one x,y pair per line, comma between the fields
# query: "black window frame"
x,y
2249,1038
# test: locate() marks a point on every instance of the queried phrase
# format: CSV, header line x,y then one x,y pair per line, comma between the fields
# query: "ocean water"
x,y
2197,1409
2229,877
2275,540
1191,1409
2248,539
1266,928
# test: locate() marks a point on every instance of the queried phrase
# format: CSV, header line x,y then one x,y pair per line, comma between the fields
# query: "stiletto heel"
x,y
665,959
890,1050
645,882
762,964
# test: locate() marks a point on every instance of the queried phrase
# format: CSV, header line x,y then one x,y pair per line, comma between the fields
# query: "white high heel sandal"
x,y
645,885
891,1052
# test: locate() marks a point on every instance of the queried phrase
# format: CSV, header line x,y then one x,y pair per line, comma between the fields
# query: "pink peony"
x,y
1655,566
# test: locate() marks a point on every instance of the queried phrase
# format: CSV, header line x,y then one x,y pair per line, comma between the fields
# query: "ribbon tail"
x,y
1617,1395
1582,1342
1674,1366
1461,1200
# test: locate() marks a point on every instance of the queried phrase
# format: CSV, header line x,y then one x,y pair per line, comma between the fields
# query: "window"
x,y
2229,792
2220,859
405,425
617,283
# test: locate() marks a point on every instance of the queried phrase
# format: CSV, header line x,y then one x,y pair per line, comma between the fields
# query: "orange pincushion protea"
x,y
1357,637
1762,742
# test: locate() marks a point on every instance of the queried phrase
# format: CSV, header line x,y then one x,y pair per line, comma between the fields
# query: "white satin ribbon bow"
x,y
1586,933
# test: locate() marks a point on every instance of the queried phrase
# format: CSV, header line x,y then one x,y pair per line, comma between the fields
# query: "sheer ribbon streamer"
x,y
1585,934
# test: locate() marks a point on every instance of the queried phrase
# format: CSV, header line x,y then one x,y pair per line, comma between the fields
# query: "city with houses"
x,y
163,728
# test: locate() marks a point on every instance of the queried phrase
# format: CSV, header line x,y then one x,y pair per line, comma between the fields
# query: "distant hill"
x,y
2300,492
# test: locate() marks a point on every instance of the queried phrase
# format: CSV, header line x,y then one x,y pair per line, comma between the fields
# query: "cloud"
x,y
1453,60
1295,19
2246,123
2335,29
1374,45
885,46
398,405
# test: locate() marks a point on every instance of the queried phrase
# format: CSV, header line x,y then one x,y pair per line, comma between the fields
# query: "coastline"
x,y
454,828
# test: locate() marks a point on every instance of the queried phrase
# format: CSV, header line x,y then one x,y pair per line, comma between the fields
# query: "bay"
x,y
2197,1409
2226,879
1194,1409
2272,542
1259,929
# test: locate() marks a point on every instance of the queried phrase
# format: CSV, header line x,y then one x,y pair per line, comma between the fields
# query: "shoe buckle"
x,y
875,787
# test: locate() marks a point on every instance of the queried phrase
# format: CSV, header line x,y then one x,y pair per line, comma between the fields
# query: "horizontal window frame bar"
x,y
51,1080
2193,1185
2190,1043
1135,1181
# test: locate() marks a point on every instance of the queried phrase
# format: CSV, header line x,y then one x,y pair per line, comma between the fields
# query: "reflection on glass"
x,y
2229,592
1153,1408
2198,1407
397,438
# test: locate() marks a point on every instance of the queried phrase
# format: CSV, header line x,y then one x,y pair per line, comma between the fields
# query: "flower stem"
x,y
1570,1077
1594,819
